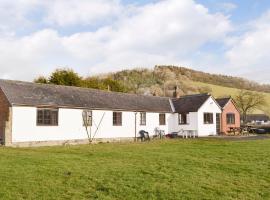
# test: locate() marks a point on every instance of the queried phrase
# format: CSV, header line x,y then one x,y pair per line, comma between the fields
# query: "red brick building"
x,y
230,116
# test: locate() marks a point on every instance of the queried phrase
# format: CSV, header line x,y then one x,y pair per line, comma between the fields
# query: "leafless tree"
x,y
248,101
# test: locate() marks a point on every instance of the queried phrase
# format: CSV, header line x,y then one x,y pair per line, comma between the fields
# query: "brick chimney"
x,y
176,94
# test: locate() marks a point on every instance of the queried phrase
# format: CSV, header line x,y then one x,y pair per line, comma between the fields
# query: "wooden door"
x,y
218,123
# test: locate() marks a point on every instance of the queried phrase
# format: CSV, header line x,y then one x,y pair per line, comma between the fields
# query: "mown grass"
x,y
220,91
169,169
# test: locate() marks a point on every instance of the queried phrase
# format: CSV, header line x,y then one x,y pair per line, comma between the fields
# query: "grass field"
x,y
170,169
220,91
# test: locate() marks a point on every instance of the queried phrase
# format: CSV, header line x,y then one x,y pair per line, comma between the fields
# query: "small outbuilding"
x,y
230,117
44,114
198,112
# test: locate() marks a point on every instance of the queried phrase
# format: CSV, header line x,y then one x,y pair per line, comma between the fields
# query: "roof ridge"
x,y
194,95
37,94
223,98
81,88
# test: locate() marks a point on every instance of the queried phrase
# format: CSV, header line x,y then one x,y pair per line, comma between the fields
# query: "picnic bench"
x,y
241,130
187,133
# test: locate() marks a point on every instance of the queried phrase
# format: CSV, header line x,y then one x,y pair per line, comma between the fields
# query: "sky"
x,y
229,37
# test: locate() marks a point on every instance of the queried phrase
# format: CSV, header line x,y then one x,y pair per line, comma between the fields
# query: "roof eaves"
x,y
91,108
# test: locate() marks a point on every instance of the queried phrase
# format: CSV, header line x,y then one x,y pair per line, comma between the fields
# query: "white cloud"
x,y
227,6
85,12
12,16
26,57
249,53
165,32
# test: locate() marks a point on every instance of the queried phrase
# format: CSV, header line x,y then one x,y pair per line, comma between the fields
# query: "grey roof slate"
x,y
223,101
33,94
189,103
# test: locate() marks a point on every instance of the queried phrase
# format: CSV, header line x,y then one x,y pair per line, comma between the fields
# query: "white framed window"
x,y
143,118
208,118
87,116
117,118
230,118
182,119
162,119
47,117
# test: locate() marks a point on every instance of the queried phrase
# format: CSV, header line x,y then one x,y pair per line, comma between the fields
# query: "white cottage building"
x,y
41,114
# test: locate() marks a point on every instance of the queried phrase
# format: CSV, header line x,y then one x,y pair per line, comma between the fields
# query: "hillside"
x,y
159,81
220,91
162,80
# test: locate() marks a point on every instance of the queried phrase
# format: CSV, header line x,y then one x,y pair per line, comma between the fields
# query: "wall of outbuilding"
x,y
192,122
229,108
210,106
70,125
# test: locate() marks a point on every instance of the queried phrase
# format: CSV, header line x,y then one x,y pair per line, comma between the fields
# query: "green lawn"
x,y
169,169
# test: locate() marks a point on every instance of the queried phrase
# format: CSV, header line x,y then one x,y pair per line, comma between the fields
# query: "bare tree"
x,y
248,101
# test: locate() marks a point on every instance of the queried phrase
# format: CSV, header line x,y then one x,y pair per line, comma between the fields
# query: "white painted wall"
x,y
210,106
192,122
70,125
152,122
195,120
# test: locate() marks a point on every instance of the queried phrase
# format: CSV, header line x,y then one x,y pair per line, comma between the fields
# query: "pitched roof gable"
x,y
223,101
190,103
33,94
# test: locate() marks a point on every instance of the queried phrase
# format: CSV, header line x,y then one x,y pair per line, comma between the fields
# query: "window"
x,y
162,120
230,118
47,117
182,118
208,118
142,118
117,118
87,118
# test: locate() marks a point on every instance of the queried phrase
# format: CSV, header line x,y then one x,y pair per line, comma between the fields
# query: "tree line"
x,y
246,100
161,81
70,78
157,82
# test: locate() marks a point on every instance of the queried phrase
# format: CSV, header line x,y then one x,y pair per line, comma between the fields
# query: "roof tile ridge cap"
x,y
224,98
195,95
81,88
98,90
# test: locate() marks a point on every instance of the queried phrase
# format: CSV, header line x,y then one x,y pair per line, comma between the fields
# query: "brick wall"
x,y
229,108
5,122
